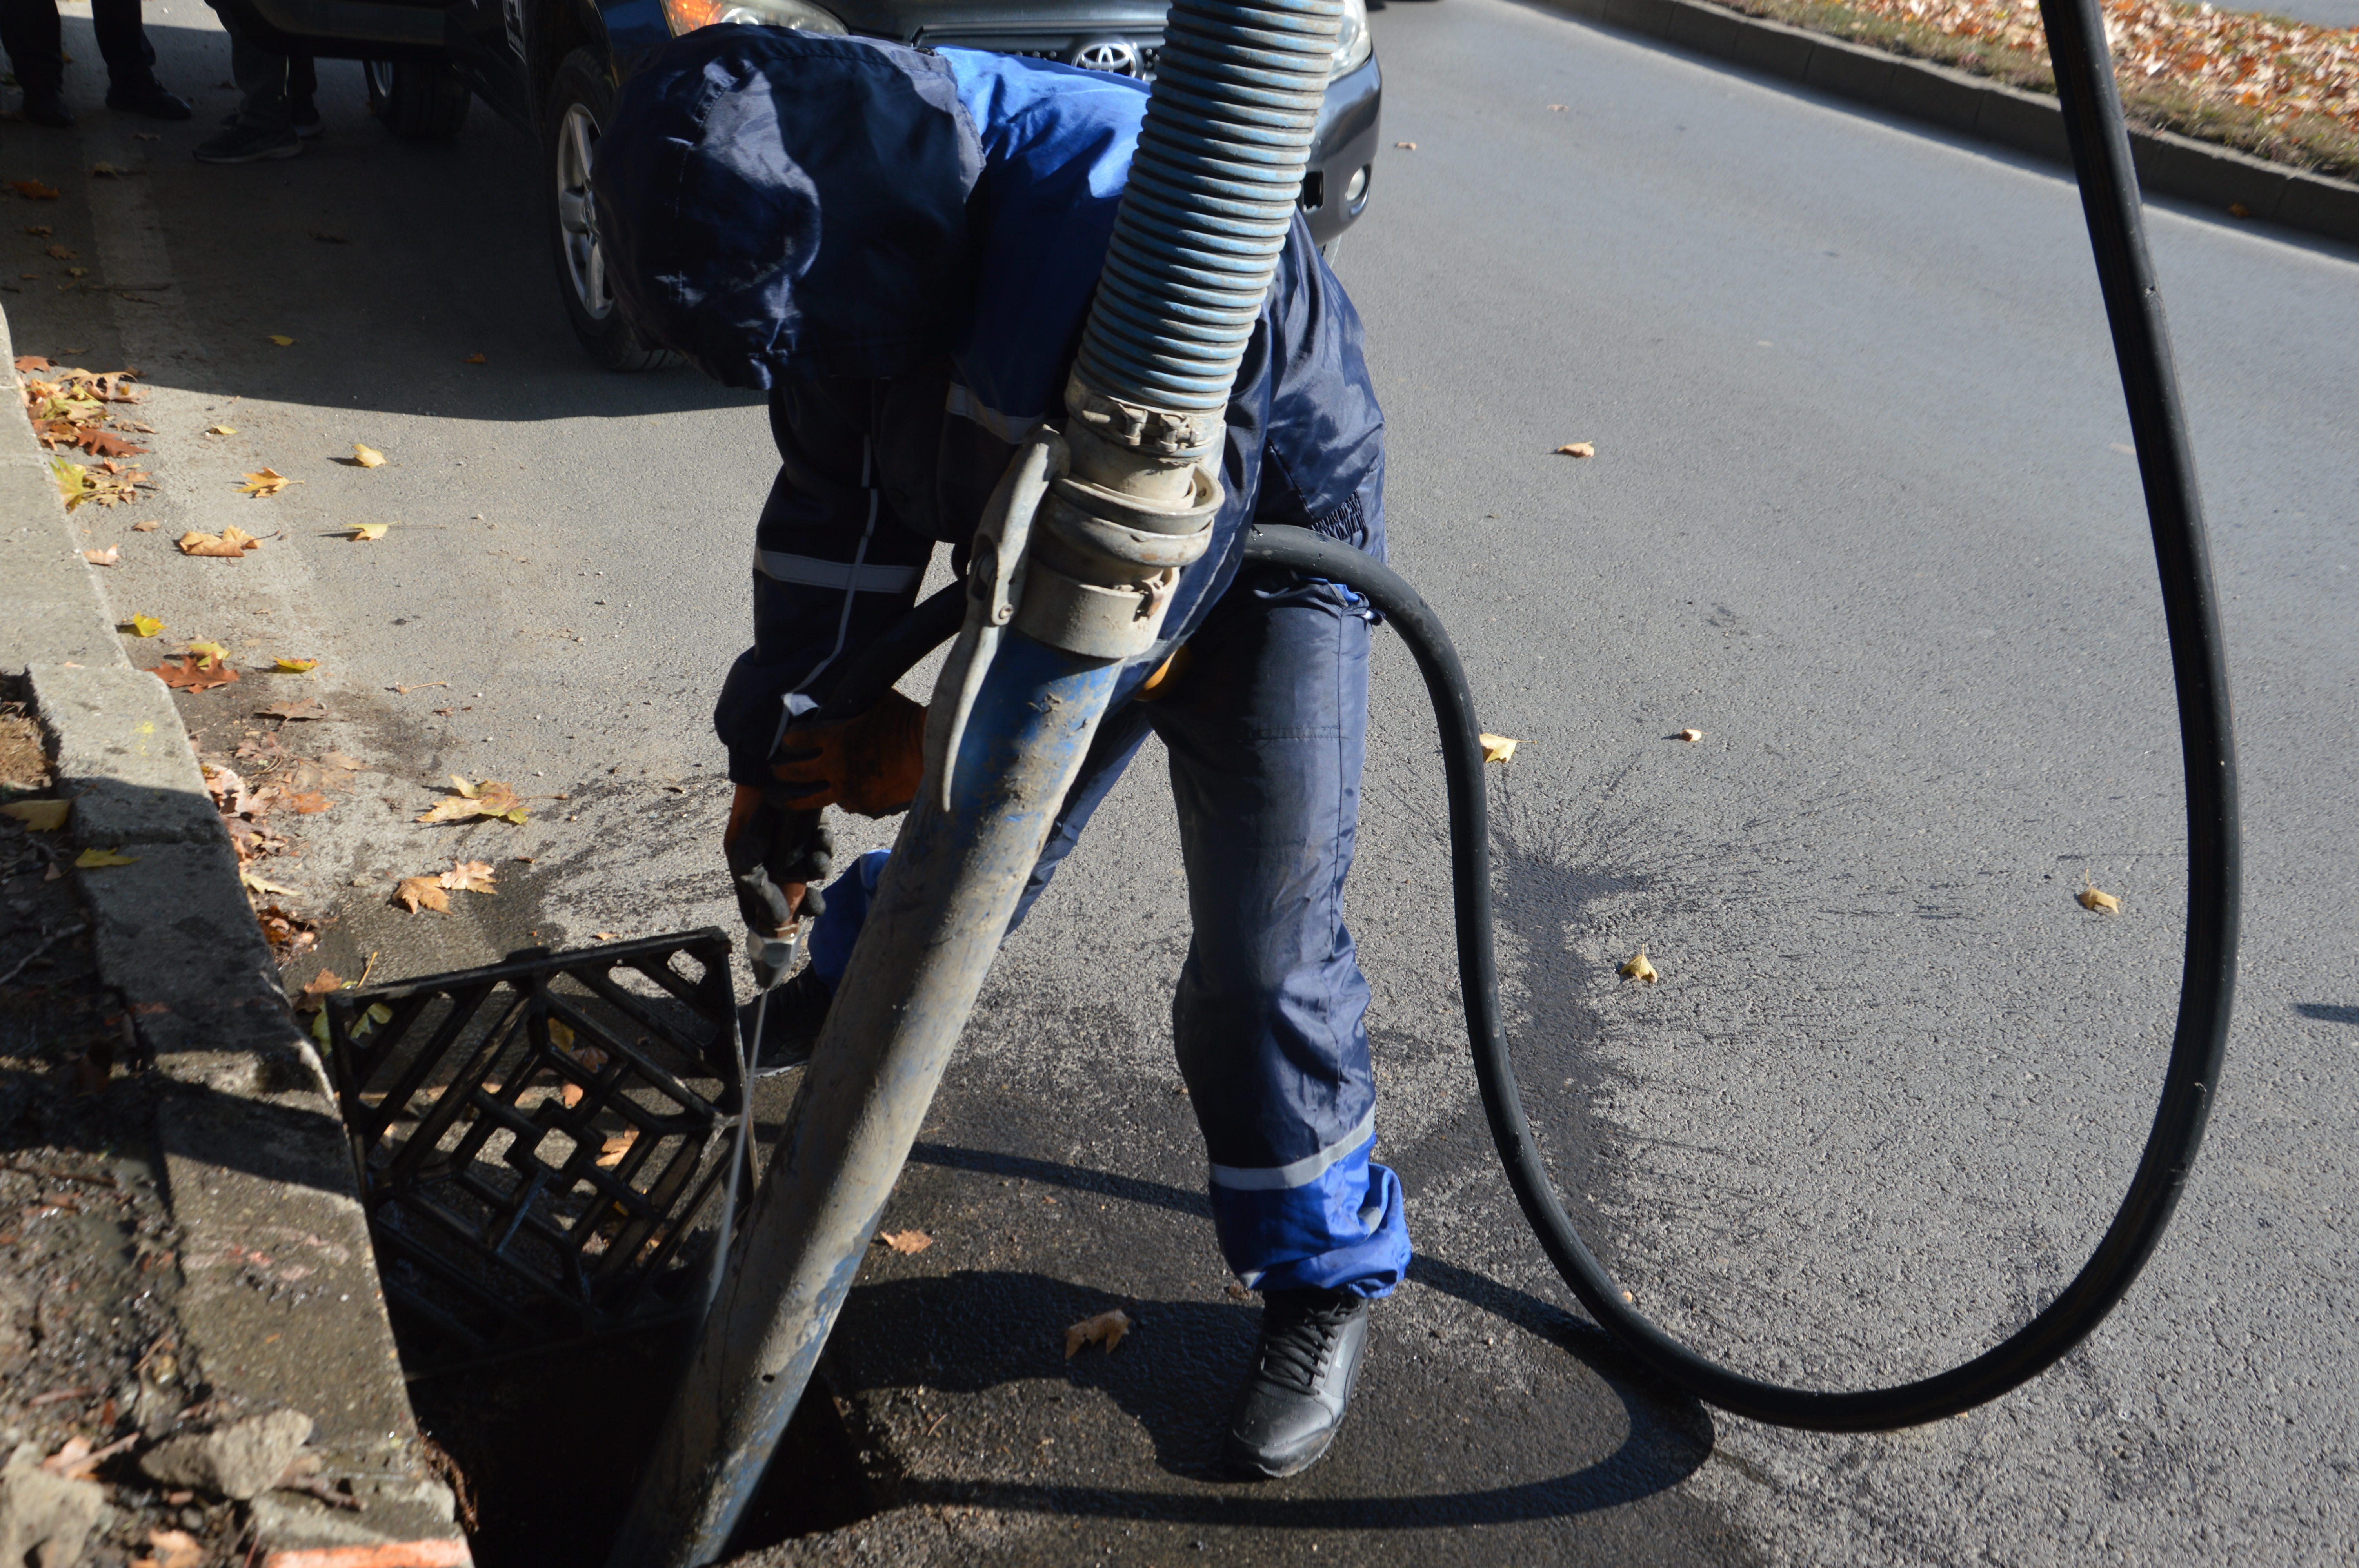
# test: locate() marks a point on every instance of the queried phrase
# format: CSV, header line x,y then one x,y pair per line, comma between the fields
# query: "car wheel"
x,y
580,101
418,100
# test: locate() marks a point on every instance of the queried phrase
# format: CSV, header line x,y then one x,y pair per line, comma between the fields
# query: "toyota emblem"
x,y
1107,54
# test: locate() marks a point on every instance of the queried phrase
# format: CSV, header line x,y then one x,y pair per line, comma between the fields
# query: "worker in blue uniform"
x,y
901,247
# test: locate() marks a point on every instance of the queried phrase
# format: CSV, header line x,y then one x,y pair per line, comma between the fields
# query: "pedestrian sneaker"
x,y
151,100
1303,1368
47,107
249,144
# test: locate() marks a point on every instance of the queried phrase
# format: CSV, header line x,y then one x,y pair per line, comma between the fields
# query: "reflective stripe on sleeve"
x,y
1009,427
812,572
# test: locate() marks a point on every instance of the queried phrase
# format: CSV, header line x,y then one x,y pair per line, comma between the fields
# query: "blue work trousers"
x,y
1266,730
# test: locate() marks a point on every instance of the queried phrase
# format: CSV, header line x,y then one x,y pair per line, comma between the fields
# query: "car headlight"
x,y
1352,45
687,16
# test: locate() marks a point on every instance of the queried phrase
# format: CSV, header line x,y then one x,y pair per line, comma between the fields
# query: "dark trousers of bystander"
x,y
269,84
29,32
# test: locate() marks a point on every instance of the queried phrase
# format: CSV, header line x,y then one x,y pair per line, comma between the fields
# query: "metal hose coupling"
x,y
1115,528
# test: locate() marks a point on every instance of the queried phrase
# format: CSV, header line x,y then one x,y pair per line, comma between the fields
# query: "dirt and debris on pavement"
x,y
91,1370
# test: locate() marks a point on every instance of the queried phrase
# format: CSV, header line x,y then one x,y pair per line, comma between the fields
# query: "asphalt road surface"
x,y
1862,511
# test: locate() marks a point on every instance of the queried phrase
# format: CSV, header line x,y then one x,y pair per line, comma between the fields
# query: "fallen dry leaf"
x,y
296,711
265,482
1556,108
148,527
1107,1329
283,342
142,627
231,544
319,985
1498,748
1576,449
367,457
192,674
1405,146
490,798
1638,969
112,172
109,556
39,816
1690,736
176,1549
2091,898
90,860
909,1243
368,531
61,254
422,892
474,360
211,654
469,876
221,429
610,1152
605,935
255,881
287,666
34,191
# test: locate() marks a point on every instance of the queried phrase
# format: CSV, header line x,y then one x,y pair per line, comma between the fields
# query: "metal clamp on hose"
x,y
1105,564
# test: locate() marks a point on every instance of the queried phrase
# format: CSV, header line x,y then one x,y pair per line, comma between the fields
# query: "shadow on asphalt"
x,y
971,1332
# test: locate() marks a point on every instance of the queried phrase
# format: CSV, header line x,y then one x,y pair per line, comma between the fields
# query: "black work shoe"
x,y
790,1029
151,100
1303,1368
248,144
48,109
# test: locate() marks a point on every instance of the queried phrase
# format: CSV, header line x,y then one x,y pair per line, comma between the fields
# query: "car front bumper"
x,y
1343,152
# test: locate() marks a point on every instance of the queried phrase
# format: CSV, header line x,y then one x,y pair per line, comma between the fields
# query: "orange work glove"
x,y
871,764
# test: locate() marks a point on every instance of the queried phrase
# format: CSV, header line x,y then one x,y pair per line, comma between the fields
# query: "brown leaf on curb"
x,y
190,674
1107,1329
422,892
908,1243
1638,969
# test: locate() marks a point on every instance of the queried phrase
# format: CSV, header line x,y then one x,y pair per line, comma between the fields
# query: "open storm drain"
x,y
538,1170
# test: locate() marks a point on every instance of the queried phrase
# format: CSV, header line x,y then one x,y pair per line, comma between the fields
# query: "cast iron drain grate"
x,y
536,1167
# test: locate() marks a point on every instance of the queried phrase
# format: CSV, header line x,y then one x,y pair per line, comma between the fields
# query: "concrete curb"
x,y
2167,164
281,1306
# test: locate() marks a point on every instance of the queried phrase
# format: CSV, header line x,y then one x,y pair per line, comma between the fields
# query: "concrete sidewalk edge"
x,y
2167,164
281,1306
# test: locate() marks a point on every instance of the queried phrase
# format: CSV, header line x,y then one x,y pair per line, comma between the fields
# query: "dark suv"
x,y
553,65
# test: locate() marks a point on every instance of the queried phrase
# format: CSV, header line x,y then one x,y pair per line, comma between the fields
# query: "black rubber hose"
x,y
2109,196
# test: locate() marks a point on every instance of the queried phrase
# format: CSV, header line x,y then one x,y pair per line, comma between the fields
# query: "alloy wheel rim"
x,y
585,260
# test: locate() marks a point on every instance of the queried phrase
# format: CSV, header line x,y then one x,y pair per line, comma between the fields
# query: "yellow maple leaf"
x,y
367,532
367,457
91,859
1498,748
266,481
143,626
221,429
286,667
1576,449
1638,969
230,543
208,655
39,816
284,342
2096,901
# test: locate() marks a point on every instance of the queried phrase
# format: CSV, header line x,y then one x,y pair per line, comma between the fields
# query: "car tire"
x,y
580,98
418,100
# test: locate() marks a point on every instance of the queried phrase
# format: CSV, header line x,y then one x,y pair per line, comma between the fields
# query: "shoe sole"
x,y
1254,1464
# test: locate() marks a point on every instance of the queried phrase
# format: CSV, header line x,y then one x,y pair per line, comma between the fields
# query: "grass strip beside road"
x,y
2277,88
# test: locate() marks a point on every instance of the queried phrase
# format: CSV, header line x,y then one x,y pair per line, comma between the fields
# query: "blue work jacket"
x,y
901,247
